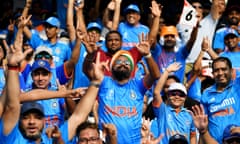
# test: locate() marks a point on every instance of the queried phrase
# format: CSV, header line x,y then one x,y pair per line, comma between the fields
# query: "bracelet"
x,y
95,84
16,68
148,55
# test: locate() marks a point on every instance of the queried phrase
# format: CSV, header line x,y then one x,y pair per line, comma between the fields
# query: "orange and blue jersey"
x,y
170,123
222,108
164,59
121,104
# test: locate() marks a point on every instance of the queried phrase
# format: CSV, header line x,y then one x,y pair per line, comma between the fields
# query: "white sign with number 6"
x,y
188,16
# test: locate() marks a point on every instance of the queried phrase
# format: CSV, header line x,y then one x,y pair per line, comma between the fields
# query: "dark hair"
x,y
222,59
112,32
174,77
4,50
86,125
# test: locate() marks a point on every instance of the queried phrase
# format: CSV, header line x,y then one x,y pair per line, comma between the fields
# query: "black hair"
x,y
112,32
86,125
222,59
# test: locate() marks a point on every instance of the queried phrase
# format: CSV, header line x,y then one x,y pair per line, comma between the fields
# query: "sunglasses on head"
x,y
126,62
40,56
176,93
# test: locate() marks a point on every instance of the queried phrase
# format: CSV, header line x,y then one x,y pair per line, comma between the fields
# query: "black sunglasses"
x,y
176,93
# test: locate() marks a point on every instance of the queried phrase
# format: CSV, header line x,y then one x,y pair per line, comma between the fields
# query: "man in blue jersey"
x,y
172,117
30,115
54,108
120,97
131,27
61,51
220,103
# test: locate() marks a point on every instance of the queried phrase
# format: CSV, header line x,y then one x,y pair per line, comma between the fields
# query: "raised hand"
x,y
147,136
98,69
174,67
15,54
11,26
55,133
90,43
23,21
109,130
156,9
205,44
200,118
80,35
143,46
79,6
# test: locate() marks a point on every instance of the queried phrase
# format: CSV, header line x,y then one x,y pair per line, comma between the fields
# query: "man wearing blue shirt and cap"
x,y
61,51
131,27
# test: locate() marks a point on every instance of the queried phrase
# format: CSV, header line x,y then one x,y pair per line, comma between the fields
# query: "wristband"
x,y
95,84
148,55
16,68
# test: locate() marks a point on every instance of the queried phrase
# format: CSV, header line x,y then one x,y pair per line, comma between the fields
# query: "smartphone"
x,y
78,2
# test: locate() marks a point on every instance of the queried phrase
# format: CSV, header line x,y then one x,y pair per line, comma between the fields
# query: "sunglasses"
x,y
40,56
119,62
176,93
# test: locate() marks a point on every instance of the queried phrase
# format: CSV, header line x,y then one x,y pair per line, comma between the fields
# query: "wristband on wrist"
x,y
95,84
16,68
148,55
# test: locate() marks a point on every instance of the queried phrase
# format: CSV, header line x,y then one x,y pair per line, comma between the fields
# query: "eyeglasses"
x,y
40,56
126,62
176,93
86,140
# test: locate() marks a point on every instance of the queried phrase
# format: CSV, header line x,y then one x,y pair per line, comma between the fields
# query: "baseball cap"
x,y
177,86
27,106
169,30
43,48
132,7
41,64
226,1
178,138
227,132
53,21
92,25
230,35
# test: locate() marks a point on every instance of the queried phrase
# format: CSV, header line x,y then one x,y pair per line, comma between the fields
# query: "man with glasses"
x,y
64,71
120,96
172,117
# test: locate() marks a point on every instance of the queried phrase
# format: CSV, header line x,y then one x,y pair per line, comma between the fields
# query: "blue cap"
x,y
53,21
41,64
227,132
28,106
132,7
230,33
92,25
